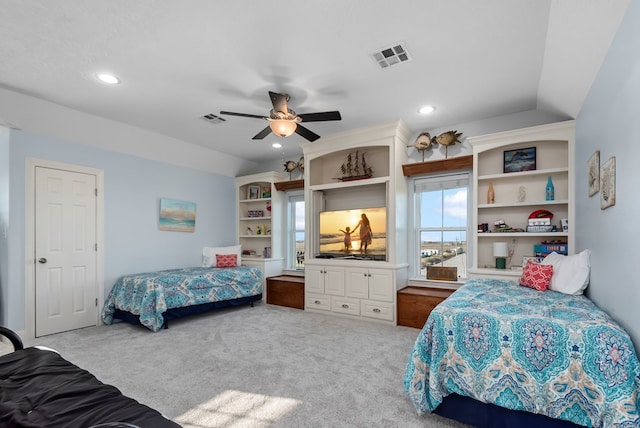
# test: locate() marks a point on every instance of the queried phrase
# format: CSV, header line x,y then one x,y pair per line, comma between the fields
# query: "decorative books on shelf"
x,y
540,225
542,250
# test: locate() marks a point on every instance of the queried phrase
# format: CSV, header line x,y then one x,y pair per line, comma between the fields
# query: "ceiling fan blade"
x,y
320,117
306,133
230,113
260,135
279,102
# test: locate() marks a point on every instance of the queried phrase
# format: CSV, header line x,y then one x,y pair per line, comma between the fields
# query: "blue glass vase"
x,y
549,193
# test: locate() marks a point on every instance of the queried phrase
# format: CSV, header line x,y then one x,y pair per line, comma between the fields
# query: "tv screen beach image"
x,y
337,240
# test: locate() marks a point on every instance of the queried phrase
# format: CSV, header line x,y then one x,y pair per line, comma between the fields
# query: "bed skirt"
x,y
485,415
175,313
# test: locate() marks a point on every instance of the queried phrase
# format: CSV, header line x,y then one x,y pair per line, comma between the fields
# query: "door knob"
x,y
42,260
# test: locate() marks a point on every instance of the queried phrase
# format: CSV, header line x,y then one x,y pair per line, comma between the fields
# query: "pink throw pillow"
x,y
226,260
536,276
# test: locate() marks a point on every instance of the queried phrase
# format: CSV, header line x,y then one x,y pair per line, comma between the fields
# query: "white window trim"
x,y
414,244
292,196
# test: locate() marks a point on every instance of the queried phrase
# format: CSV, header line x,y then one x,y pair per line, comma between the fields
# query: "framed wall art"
x,y
177,216
253,192
608,183
593,173
519,160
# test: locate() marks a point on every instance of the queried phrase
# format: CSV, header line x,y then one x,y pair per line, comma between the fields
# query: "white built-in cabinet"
x,y
351,290
357,288
259,223
555,145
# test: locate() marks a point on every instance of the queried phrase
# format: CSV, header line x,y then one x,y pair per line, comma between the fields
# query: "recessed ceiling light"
x,y
108,78
427,109
276,145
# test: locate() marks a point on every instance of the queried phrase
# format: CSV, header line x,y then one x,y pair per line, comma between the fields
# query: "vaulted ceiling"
x,y
179,61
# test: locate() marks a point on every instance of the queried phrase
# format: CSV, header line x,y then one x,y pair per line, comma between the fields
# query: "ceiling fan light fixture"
x,y
283,127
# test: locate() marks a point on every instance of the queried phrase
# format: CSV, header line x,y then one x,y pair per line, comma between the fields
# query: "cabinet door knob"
x,y
369,275
42,260
376,310
344,305
365,274
317,302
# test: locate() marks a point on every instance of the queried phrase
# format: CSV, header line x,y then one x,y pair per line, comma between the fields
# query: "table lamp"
x,y
500,252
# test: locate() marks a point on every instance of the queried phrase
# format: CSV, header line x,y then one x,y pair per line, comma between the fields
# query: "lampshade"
x,y
500,249
283,127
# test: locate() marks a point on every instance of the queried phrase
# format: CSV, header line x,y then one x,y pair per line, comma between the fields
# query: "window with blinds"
x,y
441,222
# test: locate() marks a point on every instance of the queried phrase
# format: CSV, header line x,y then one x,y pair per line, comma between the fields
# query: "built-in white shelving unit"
x,y
260,222
555,145
357,288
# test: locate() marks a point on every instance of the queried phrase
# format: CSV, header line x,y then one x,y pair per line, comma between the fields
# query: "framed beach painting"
x,y
519,160
177,216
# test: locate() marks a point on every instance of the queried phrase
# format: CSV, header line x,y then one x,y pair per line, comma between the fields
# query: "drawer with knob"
x,y
378,310
317,301
345,305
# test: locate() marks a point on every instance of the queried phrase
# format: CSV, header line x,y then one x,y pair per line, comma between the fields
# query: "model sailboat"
x,y
355,168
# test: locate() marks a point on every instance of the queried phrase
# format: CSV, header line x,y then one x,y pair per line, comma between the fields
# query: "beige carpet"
x,y
266,366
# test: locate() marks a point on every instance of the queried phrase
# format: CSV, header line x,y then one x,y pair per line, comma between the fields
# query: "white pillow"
x,y
209,254
570,273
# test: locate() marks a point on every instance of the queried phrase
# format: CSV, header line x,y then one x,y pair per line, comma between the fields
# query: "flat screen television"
x,y
334,235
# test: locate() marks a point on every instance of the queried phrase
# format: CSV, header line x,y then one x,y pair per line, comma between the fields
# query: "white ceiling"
x,y
179,60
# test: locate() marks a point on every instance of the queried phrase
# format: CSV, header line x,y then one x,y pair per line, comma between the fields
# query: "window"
x,y
441,216
295,230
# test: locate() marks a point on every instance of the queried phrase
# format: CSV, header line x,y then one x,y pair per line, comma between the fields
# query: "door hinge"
x,y
96,246
96,191
96,302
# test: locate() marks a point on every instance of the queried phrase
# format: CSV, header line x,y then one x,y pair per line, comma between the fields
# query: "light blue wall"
x,y
4,222
610,122
133,188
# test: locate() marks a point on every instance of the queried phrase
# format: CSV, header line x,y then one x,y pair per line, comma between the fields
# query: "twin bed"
x,y
154,298
499,354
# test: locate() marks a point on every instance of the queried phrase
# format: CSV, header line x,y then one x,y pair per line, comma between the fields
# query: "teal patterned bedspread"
x,y
540,352
150,294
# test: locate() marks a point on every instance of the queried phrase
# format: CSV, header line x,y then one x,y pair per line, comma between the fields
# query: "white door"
x,y
66,286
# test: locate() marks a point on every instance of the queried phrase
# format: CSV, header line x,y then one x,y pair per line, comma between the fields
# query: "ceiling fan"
x,y
283,121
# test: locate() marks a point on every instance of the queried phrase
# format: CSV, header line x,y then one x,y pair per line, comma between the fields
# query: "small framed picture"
x,y
253,192
593,173
266,191
519,160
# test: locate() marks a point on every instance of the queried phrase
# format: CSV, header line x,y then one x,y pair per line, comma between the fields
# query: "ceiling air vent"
x,y
386,57
212,118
